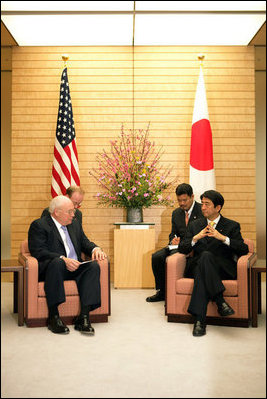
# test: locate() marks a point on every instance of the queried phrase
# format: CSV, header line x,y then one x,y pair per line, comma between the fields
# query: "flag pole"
x,y
65,58
201,58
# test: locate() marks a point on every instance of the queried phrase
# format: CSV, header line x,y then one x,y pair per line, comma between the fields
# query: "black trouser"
x,y
87,278
208,284
158,267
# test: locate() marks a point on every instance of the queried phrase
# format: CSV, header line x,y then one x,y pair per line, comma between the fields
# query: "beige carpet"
x,y
137,354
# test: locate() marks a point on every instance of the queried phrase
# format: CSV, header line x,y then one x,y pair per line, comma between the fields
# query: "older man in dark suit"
x,y
57,241
216,243
76,194
188,211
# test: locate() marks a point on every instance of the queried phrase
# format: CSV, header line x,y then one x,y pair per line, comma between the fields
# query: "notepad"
x,y
173,247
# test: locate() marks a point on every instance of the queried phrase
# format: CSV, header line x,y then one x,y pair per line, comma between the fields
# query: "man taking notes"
x,y
188,211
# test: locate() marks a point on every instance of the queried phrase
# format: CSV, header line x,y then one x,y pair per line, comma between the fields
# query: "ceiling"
x,y
129,18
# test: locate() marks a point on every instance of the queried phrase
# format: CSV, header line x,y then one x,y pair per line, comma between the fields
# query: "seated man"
x,y
216,243
188,211
58,250
76,194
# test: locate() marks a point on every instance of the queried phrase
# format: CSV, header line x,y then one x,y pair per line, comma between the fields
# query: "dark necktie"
x,y
72,254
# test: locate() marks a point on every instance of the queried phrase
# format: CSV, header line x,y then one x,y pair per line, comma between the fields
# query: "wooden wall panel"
x,y
114,85
165,80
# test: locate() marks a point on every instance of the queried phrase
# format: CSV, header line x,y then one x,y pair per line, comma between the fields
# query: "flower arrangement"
x,y
131,176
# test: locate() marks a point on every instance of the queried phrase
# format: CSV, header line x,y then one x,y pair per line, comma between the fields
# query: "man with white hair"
x,y
76,194
57,241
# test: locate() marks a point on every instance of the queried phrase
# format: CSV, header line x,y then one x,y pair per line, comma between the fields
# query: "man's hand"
x,y
211,232
71,264
98,254
175,241
203,233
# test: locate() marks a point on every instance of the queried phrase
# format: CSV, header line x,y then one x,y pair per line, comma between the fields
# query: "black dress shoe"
x,y
57,326
82,323
156,298
225,310
199,329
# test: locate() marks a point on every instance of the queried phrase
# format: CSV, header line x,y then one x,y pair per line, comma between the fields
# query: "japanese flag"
x,y
202,175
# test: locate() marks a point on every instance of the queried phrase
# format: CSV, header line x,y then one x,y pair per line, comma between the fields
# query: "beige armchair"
x,y
35,306
237,292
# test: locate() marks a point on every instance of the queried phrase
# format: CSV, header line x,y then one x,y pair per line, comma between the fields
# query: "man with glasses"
x,y
76,194
58,250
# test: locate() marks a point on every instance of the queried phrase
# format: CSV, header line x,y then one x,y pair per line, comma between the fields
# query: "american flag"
x,y
65,171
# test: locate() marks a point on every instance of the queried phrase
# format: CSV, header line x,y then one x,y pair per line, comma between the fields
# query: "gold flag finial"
x,y
65,58
201,58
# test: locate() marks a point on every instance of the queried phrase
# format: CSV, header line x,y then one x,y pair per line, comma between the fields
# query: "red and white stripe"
x,y
65,170
202,174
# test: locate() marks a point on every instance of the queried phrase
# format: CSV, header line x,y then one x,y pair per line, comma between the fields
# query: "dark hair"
x,y
214,196
184,188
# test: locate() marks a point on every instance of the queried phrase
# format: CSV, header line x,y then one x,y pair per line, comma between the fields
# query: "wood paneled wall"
x,y
114,85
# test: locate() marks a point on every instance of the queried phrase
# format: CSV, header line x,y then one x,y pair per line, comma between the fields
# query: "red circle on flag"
x,y
201,154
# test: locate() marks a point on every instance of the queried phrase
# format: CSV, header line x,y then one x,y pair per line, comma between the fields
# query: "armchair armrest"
x,y
243,265
31,280
105,287
175,265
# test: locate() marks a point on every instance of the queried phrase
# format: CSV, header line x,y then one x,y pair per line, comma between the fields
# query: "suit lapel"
x,y
55,230
221,224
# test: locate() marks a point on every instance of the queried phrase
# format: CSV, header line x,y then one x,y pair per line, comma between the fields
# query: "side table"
x,y
134,244
12,265
256,271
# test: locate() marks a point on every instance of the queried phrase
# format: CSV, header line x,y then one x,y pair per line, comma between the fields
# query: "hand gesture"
x,y
175,241
98,254
211,232
71,264
203,233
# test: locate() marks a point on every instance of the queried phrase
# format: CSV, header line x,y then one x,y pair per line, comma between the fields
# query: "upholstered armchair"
x,y
35,307
237,292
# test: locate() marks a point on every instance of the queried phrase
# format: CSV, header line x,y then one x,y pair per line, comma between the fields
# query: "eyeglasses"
x,y
70,211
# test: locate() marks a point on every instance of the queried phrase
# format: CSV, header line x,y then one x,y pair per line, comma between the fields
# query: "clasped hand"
x,y
209,231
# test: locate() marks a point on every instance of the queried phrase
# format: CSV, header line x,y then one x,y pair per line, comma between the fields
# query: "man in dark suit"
x,y
58,250
76,194
216,243
188,211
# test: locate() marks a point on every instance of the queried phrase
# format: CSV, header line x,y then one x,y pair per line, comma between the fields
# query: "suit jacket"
x,y
45,242
178,220
78,214
226,256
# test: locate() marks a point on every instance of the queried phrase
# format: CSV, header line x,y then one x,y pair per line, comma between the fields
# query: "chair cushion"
x,y
70,288
184,286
